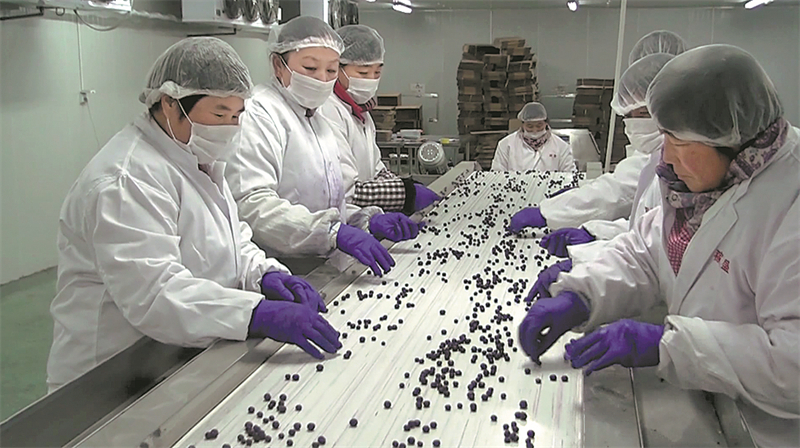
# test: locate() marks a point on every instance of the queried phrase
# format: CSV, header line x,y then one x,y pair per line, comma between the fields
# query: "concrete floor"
x,y
26,332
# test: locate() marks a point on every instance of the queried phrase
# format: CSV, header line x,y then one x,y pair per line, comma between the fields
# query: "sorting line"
x,y
347,403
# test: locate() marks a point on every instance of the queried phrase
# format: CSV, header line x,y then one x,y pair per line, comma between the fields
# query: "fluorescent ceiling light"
x,y
370,1
756,3
399,7
403,2
573,5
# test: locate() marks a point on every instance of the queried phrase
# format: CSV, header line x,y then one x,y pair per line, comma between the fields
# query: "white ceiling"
x,y
523,4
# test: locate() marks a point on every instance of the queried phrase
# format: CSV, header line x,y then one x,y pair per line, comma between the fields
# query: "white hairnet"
x,y
197,66
303,32
633,84
532,112
657,42
717,95
362,45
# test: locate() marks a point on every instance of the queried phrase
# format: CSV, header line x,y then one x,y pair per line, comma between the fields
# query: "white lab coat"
x,y
734,309
149,245
512,154
286,177
647,197
361,157
608,198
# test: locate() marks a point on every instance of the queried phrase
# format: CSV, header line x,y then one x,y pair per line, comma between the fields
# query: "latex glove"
x,y
559,314
365,248
527,217
282,286
563,190
556,243
546,278
425,197
625,342
296,324
393,226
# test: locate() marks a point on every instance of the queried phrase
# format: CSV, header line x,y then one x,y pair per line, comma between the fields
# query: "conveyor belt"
x,y
456,286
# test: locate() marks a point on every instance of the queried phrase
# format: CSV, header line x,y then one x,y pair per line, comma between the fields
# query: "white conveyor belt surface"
x,y
450,307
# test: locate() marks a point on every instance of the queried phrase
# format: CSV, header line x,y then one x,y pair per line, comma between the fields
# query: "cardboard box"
x,y
495,62
495,107
470,90
493,94
408,113
469,74
390,99
383,135
470,98
469,82
522,90
509,42
470,107
493,85
521,66
471,65
494,75
479,50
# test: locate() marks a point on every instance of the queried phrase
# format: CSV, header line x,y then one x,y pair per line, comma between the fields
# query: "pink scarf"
x,y
358,109
690,207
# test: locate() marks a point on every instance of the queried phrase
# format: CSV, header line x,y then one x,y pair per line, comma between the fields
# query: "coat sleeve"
x,y
566,162
254,261
759,363
133,231
500,161
606,230
622,281
254,174
609,197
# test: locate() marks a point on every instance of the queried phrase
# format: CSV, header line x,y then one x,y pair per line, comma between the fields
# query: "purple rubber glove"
x,y
296,324
527,217
546,278
556,243
393,226
563,190
365,248
282,286
625,342
425,197
559,314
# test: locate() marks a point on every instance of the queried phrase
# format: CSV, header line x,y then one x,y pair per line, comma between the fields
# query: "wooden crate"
x,y
494,62
509,42
478,51
470,90
471,65
469,74
470,107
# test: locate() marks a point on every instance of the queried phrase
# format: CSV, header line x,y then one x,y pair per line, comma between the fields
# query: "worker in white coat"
x,y
149,239
533,147
286,176
603,206
367,181
723,252
584,243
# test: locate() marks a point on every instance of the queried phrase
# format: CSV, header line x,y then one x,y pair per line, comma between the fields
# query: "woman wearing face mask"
x,y
367,182
584,243
723,252
149,239
286,177
533,146
611,196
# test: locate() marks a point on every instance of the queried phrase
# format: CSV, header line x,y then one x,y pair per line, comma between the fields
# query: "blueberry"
x,y
553,377
321,440
353,422
434,425
289,443
251,410
299,407
297,426
564,378
311,426
387,404
523,404
320,367
494,418
292,432
296,377
283,397
436,443
276,424
288,376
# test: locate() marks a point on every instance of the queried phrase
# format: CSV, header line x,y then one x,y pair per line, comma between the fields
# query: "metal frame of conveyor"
x,y
151,394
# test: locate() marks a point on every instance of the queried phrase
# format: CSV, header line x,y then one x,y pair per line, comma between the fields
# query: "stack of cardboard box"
x,y
592,110
469,79
522,86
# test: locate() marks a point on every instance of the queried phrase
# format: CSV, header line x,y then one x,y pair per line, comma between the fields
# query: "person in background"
x,y
610,197
367,182
647,141
286,176
723,252
149,239
660,41
533,147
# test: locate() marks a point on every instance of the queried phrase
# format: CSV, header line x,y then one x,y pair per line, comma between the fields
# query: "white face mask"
x,y
309,92
208,143
643,134
362,90
539,134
